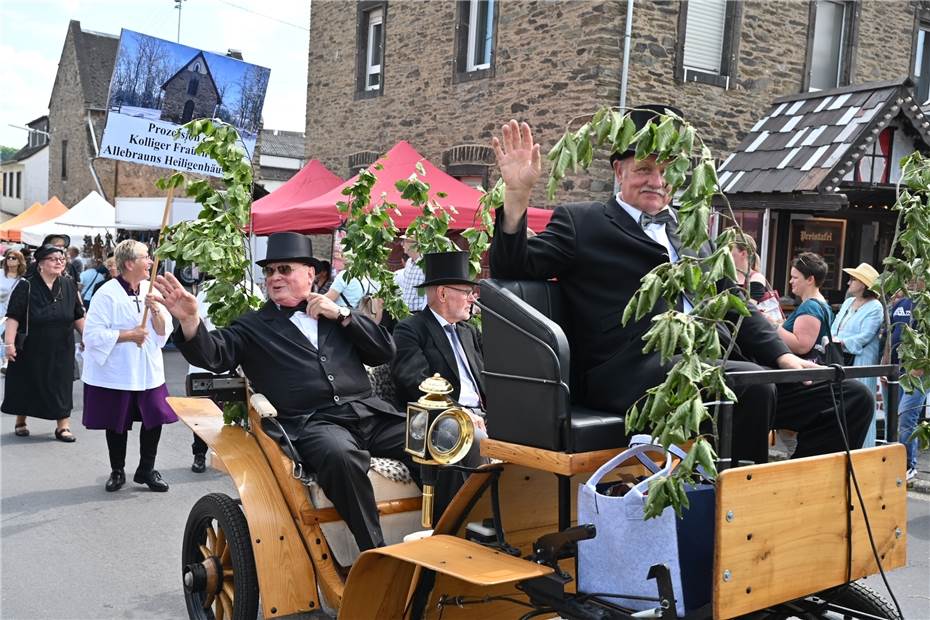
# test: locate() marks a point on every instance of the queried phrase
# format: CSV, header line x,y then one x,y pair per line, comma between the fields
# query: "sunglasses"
x,y
270,270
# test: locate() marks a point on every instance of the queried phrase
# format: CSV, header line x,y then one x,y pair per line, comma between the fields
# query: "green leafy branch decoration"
x,y
908,274
674,410
217,241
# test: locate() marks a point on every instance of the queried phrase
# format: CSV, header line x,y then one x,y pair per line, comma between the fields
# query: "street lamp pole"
x,y
177,5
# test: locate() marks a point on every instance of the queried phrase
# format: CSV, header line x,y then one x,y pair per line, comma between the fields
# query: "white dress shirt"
x,y
468,394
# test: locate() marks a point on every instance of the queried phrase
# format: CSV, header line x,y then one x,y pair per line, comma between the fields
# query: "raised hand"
x,y
519,162
181,304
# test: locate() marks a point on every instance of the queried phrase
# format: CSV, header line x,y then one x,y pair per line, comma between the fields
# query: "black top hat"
x,y
640,117
289,247
48,239
47,250
446,268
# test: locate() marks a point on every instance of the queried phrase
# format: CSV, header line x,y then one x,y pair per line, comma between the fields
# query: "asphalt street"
x,y
71,551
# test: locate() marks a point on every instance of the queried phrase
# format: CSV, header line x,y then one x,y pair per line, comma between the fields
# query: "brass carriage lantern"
x,y
438,433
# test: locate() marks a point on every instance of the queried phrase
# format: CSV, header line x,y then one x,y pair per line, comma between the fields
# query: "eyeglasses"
x,y
270,270
465,291
56,259
9,258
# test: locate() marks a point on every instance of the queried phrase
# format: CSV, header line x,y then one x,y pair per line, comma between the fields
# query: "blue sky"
x,y
269,34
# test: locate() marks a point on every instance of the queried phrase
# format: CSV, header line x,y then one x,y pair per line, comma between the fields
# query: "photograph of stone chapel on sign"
x,y
158,85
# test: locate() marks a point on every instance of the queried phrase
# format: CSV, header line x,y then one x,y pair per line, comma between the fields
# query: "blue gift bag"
x,y
618,559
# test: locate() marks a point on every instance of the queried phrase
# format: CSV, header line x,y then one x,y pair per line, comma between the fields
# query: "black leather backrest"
x,y
526,360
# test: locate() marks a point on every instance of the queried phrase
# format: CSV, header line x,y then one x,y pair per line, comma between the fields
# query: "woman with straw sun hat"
x,y
858,326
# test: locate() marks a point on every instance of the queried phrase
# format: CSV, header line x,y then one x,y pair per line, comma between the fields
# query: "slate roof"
x,y
25,153
808,142
96,55
283,143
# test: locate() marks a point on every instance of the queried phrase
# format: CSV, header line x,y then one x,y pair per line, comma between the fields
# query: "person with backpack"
x,y
89,280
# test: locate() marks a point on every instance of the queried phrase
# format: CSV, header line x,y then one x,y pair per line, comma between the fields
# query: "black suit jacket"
x,y
599,253
423,350
296,377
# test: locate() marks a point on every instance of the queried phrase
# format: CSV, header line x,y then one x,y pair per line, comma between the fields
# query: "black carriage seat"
x,y
527,372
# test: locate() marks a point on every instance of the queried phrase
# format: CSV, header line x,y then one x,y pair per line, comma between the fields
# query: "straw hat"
x,y
865,273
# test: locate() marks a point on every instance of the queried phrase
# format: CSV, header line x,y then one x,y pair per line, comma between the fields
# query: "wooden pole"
x,y
164,224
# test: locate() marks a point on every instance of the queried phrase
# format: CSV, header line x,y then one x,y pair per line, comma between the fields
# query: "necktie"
x,y
664,217
290,310
460,356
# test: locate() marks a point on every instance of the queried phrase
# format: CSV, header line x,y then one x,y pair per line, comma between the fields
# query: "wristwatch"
x,y
344,313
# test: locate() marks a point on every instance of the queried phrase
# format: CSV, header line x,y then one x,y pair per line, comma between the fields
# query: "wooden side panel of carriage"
x,y
285,574
781,527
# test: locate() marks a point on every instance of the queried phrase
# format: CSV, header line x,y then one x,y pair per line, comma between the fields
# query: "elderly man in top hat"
x,y
599,252
440,340
307,356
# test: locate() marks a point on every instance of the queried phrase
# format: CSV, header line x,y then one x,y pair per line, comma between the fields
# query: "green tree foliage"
x,y
217,241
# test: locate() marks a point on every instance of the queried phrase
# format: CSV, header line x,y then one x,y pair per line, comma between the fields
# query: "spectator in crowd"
x,y
109,271
745,257
39,377
911,404
11,272
90,278
349,294
124,374
805,328
409,277
75,264
324,277
858,327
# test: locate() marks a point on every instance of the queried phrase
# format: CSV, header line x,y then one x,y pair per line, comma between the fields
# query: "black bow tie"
x,y
662,217
290,310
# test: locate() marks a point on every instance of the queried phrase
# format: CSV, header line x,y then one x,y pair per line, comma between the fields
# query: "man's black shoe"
x,y
152,479
200,464
116,480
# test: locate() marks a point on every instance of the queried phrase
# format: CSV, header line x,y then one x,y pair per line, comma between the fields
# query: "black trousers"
x,y
148,448
809,410
338,448
199,446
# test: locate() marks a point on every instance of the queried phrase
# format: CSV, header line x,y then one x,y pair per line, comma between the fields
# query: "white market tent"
x,y
92,216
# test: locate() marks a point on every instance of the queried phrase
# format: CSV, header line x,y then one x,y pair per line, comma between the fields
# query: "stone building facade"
x,y
550,62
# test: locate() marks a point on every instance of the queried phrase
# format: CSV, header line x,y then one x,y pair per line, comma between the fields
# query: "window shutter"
x,y
704,33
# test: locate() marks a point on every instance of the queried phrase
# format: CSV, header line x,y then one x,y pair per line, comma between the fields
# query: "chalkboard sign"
x,y
822,236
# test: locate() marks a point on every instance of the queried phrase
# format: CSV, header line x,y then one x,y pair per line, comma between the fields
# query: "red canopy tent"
x,y
276,211
320,215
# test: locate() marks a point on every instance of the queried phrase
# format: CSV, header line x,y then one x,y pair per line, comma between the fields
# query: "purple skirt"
x,y
116,410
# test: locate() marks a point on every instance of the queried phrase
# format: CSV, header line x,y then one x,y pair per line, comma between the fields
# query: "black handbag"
x,y
829,352
19,341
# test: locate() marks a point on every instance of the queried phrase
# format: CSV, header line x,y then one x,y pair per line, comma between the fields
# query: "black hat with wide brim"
x,y
48,239
641,117
47,250
289,247
446,268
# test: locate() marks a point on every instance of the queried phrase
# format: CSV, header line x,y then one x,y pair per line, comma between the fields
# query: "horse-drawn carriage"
x,y
787,540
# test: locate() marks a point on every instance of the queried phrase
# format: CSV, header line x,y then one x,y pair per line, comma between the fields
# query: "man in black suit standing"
x,y
439,339
599,252
307,356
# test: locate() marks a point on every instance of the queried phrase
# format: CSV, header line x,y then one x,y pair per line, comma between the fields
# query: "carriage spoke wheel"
x,y
218,571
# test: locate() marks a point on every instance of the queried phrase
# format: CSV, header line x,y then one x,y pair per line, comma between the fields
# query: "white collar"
x,y
442,321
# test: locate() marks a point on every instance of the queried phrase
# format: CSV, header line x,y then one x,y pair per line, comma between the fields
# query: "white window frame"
x,y
840,43
920,45
473,34
692,32
375,18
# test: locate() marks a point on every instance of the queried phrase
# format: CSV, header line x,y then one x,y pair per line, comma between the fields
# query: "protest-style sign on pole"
x,y
157,86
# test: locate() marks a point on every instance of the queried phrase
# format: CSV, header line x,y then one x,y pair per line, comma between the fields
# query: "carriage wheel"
x,y
220,582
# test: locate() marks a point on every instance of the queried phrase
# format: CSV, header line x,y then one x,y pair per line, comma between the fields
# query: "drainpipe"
x,y
627,44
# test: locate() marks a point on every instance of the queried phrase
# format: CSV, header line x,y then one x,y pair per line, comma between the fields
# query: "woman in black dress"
x,y
38,379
